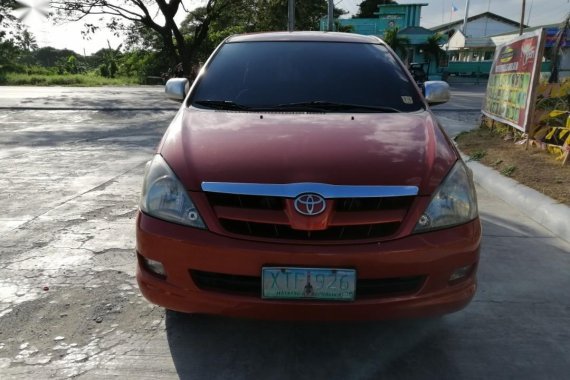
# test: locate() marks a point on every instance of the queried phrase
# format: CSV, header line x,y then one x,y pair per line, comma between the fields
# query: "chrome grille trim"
x,y
292,190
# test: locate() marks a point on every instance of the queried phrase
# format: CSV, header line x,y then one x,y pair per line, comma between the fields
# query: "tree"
x,y
71,64
7,6
123,13
248,16
367,8
343,28
50,57
272,14
9,55
26,41
107,60
397,43
432,49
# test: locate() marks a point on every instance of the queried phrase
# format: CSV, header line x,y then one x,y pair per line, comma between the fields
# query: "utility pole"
x,y
291,16
330,16
522,18
464,29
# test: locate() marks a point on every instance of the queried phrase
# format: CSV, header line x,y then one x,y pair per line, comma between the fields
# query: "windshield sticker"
x,y
407,99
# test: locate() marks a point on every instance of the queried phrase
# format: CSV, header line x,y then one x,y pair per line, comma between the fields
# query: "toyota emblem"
x,y
310,204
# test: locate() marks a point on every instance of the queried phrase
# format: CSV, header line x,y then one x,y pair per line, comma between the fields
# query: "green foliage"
x,y
71,65
478,155
9,55
141,63
6,6
508,170
432,49
113,68
26,41
343,28
49,56
397,43
272,15
367,8
107,59
66,80
151,49
217,36
249,16
104,70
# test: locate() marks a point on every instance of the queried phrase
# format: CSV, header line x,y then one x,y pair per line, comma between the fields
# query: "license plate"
x,y
308,283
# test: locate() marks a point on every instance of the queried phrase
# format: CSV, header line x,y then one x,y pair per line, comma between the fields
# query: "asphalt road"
x,y
465,97
69,306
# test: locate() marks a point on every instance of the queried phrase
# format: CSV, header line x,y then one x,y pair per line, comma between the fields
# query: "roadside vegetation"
x,y
87,80
23,63
153,48
534,167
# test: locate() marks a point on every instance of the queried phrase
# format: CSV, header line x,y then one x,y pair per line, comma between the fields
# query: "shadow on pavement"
x,y
517,326
221,348
103,128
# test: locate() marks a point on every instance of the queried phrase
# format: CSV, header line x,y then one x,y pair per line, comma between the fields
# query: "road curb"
x,y
552,215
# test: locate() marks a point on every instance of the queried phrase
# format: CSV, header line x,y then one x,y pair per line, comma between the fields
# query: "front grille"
x,y
251,285
278,231
245,201
372,204
264,217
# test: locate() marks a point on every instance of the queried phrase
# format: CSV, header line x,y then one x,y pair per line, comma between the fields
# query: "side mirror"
x,y
176,89
436,92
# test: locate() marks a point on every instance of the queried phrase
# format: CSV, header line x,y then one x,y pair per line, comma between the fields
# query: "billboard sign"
x,y
512,80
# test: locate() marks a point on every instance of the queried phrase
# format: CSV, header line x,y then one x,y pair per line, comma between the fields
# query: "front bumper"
x,y
435,255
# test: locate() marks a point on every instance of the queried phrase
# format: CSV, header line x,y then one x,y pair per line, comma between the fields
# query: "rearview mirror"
x,y
437,92
176,89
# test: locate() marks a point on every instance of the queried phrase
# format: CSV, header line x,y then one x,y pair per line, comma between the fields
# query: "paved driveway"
x,y
69,306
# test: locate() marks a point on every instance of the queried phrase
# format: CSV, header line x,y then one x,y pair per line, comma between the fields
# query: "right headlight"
x,y
164,197
453,203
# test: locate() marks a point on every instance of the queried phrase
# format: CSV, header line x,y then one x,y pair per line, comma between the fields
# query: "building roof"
x,y
410,30
494,16
529,29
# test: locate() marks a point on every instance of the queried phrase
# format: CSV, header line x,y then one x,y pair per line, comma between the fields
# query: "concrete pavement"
x,y
69,307
85,98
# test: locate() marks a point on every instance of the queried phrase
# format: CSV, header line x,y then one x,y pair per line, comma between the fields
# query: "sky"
x,y
538,12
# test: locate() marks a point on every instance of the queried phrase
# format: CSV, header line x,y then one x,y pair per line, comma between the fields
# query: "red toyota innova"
x,y
304,177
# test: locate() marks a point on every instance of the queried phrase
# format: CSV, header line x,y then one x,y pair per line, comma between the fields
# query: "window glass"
x,y
269,74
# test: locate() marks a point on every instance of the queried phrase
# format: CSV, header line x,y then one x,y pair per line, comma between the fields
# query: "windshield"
x,y
309,76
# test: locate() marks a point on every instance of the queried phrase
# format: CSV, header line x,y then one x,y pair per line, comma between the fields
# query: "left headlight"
x,y
164,197
453,203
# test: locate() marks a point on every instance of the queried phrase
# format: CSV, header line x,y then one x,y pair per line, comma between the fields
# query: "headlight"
x,y
164,197
453,203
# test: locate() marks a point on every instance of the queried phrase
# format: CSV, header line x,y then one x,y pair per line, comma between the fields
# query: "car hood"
x,y
335,148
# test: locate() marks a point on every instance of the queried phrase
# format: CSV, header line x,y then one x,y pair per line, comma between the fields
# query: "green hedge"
x,y
18,79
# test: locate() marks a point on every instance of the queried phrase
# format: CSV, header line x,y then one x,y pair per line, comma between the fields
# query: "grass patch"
x,y
508,170
478,155
84,80
532,167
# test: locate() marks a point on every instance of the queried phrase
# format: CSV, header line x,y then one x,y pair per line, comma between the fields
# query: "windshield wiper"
x,y
331,106
222,105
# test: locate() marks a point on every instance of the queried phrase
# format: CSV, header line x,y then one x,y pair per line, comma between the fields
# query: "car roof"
x,y
304,36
